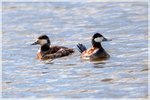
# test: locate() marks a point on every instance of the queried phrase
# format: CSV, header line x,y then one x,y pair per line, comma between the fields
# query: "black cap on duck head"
x,y
42,40
97,39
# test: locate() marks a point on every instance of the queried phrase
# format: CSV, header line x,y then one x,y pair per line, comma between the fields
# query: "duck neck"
x,y
45,47
98,45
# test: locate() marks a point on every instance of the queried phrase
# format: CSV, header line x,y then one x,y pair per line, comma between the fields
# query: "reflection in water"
x,y
106,80
98,66
125,74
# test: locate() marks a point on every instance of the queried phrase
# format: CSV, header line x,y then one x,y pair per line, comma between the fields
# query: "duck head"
x,y
97,39
42,40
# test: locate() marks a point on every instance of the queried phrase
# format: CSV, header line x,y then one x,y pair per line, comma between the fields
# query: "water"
x,y
125,74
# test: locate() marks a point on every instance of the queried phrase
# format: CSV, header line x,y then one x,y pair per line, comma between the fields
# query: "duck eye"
x,y
98,39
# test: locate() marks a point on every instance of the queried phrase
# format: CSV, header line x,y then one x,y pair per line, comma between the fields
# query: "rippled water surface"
x,y
125,74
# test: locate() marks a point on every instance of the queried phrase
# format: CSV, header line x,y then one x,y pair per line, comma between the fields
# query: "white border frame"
x,y
74,1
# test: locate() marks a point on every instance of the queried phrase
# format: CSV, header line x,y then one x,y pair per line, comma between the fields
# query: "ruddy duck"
x,y
50,52
96,52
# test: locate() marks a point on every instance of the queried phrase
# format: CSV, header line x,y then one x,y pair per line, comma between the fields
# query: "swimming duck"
x,y
46,51
96,52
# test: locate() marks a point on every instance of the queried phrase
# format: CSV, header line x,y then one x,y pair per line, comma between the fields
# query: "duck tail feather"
x,y
81,47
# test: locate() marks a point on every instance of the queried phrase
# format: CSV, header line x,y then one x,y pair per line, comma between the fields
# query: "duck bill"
x,y
35,43
105,39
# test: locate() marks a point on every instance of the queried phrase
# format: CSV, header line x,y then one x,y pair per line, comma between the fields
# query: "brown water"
x,y
125,74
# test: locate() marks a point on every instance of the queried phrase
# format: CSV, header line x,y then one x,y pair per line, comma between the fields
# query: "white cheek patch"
x,y
98,39
43,41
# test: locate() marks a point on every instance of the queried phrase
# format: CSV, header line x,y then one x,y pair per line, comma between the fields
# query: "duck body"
x,y
46,51
96,52
53,52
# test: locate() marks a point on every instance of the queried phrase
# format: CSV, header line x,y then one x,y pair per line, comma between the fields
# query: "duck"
x,y
46,51
96,52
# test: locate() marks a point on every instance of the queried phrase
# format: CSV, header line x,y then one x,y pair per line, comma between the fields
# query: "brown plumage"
x,y
55,52
50,52
96,52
